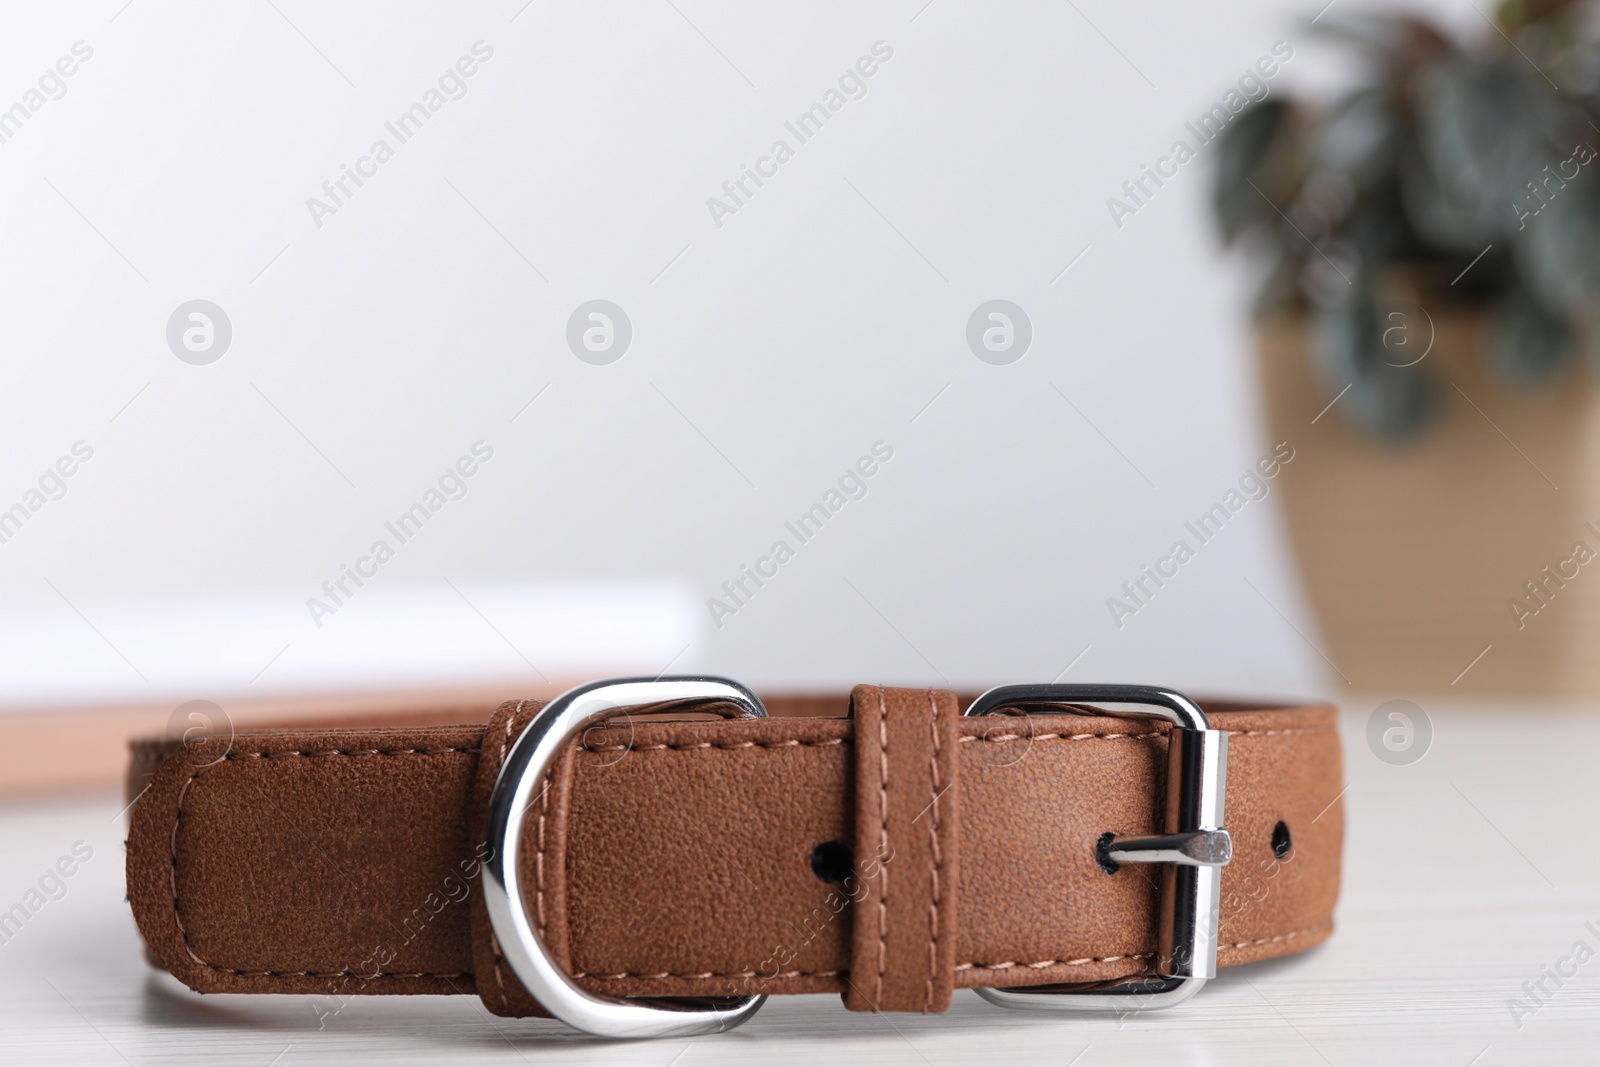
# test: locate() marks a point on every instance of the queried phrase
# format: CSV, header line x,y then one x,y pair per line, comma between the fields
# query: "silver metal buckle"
x,y
555,726
1195,848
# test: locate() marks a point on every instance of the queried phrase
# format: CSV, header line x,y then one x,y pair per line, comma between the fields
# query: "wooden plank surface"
x,y
1467,873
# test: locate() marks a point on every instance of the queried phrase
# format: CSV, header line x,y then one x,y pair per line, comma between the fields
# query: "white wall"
x,y
768,354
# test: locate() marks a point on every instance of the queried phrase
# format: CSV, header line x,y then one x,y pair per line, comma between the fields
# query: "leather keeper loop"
x,y
498,987
907,859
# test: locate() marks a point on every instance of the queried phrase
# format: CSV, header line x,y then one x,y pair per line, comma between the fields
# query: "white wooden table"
x,y
1466,874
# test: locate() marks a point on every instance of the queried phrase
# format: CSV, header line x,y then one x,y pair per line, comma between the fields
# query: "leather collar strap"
x,y
885,849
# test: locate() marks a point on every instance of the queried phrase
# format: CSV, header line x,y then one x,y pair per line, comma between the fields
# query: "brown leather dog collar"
x,y
880,846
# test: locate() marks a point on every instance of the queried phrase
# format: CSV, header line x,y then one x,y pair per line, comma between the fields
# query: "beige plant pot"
x,y
1414,556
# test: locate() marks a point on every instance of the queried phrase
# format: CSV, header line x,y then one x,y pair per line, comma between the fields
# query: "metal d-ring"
x,y
525,765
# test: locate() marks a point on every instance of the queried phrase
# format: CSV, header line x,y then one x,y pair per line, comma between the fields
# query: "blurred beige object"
x,y
1412,555
76,748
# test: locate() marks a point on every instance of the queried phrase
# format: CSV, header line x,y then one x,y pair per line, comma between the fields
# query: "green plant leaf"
x,y
1359,137
1528,343
1244,149
1482,131
1558,249
1384,396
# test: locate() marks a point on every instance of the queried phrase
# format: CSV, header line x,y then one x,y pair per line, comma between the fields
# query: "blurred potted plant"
x,y
1428,249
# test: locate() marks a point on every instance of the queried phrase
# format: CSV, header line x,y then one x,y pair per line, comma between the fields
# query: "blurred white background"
x,y
768,353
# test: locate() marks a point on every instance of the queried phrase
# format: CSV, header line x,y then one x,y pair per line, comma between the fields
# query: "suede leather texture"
x,y
673,858
908,835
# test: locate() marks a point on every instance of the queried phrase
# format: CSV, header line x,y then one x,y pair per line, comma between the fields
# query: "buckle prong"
x,y
1197,848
